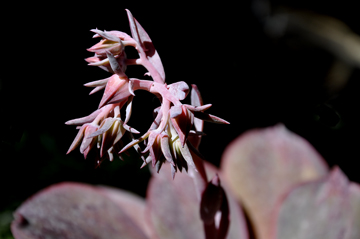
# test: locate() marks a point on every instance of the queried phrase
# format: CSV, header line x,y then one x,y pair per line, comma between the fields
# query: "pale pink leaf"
x,y
326,208
76,211
146,46
261,165
174,208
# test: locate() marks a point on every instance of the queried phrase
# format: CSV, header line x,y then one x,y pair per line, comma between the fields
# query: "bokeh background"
x,y
258,62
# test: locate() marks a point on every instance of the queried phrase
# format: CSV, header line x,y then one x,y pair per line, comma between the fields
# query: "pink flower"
x,y
167,137
105,131
112,43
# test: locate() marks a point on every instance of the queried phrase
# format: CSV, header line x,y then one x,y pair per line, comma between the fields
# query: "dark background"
x,y
251,79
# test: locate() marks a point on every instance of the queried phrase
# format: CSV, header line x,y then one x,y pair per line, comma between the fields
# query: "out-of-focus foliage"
x,y
281,182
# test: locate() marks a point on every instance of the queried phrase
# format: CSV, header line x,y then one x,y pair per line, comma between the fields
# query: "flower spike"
x,y
174,135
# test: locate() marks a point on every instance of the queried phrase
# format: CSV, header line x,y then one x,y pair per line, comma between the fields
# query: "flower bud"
x,y
109,43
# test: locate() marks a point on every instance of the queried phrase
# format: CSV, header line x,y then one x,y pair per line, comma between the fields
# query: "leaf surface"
x,y
174,209
327,208
261,165
78,211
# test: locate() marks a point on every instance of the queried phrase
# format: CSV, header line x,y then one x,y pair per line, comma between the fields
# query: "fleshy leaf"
x,y
261,165
211,200
327,208
174,207
133,205
146,45
74,210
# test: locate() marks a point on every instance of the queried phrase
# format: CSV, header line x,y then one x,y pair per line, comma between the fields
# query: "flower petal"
x,y
179,89
102,82
210,118
165,148
105,126
106,35
198,108
175,111
78,138
128,109
115,66
84,120
88,142
187,155
112,88
135,141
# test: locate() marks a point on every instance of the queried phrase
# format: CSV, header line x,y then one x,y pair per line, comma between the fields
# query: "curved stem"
x,y
159,88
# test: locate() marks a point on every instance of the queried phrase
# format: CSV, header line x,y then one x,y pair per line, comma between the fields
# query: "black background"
x,y
252,81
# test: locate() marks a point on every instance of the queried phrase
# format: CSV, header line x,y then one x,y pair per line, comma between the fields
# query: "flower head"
x,y
112,44
177,129
105,131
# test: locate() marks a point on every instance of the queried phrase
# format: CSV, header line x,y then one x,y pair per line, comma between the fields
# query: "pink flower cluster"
x,y
175,133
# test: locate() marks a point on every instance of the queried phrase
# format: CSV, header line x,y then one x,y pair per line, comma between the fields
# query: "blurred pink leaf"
x,y
261,165
326,208
174,209
80,211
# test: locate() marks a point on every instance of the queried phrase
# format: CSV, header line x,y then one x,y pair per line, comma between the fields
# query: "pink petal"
x,y
183,123
128,109
97,83
115,66
187,155
165,148
151,140
96,89
179,89
175,111
210,118
105,126
84,120
112,87
120,95
134,142
196,99
78,139
88,141
106,35
198,108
